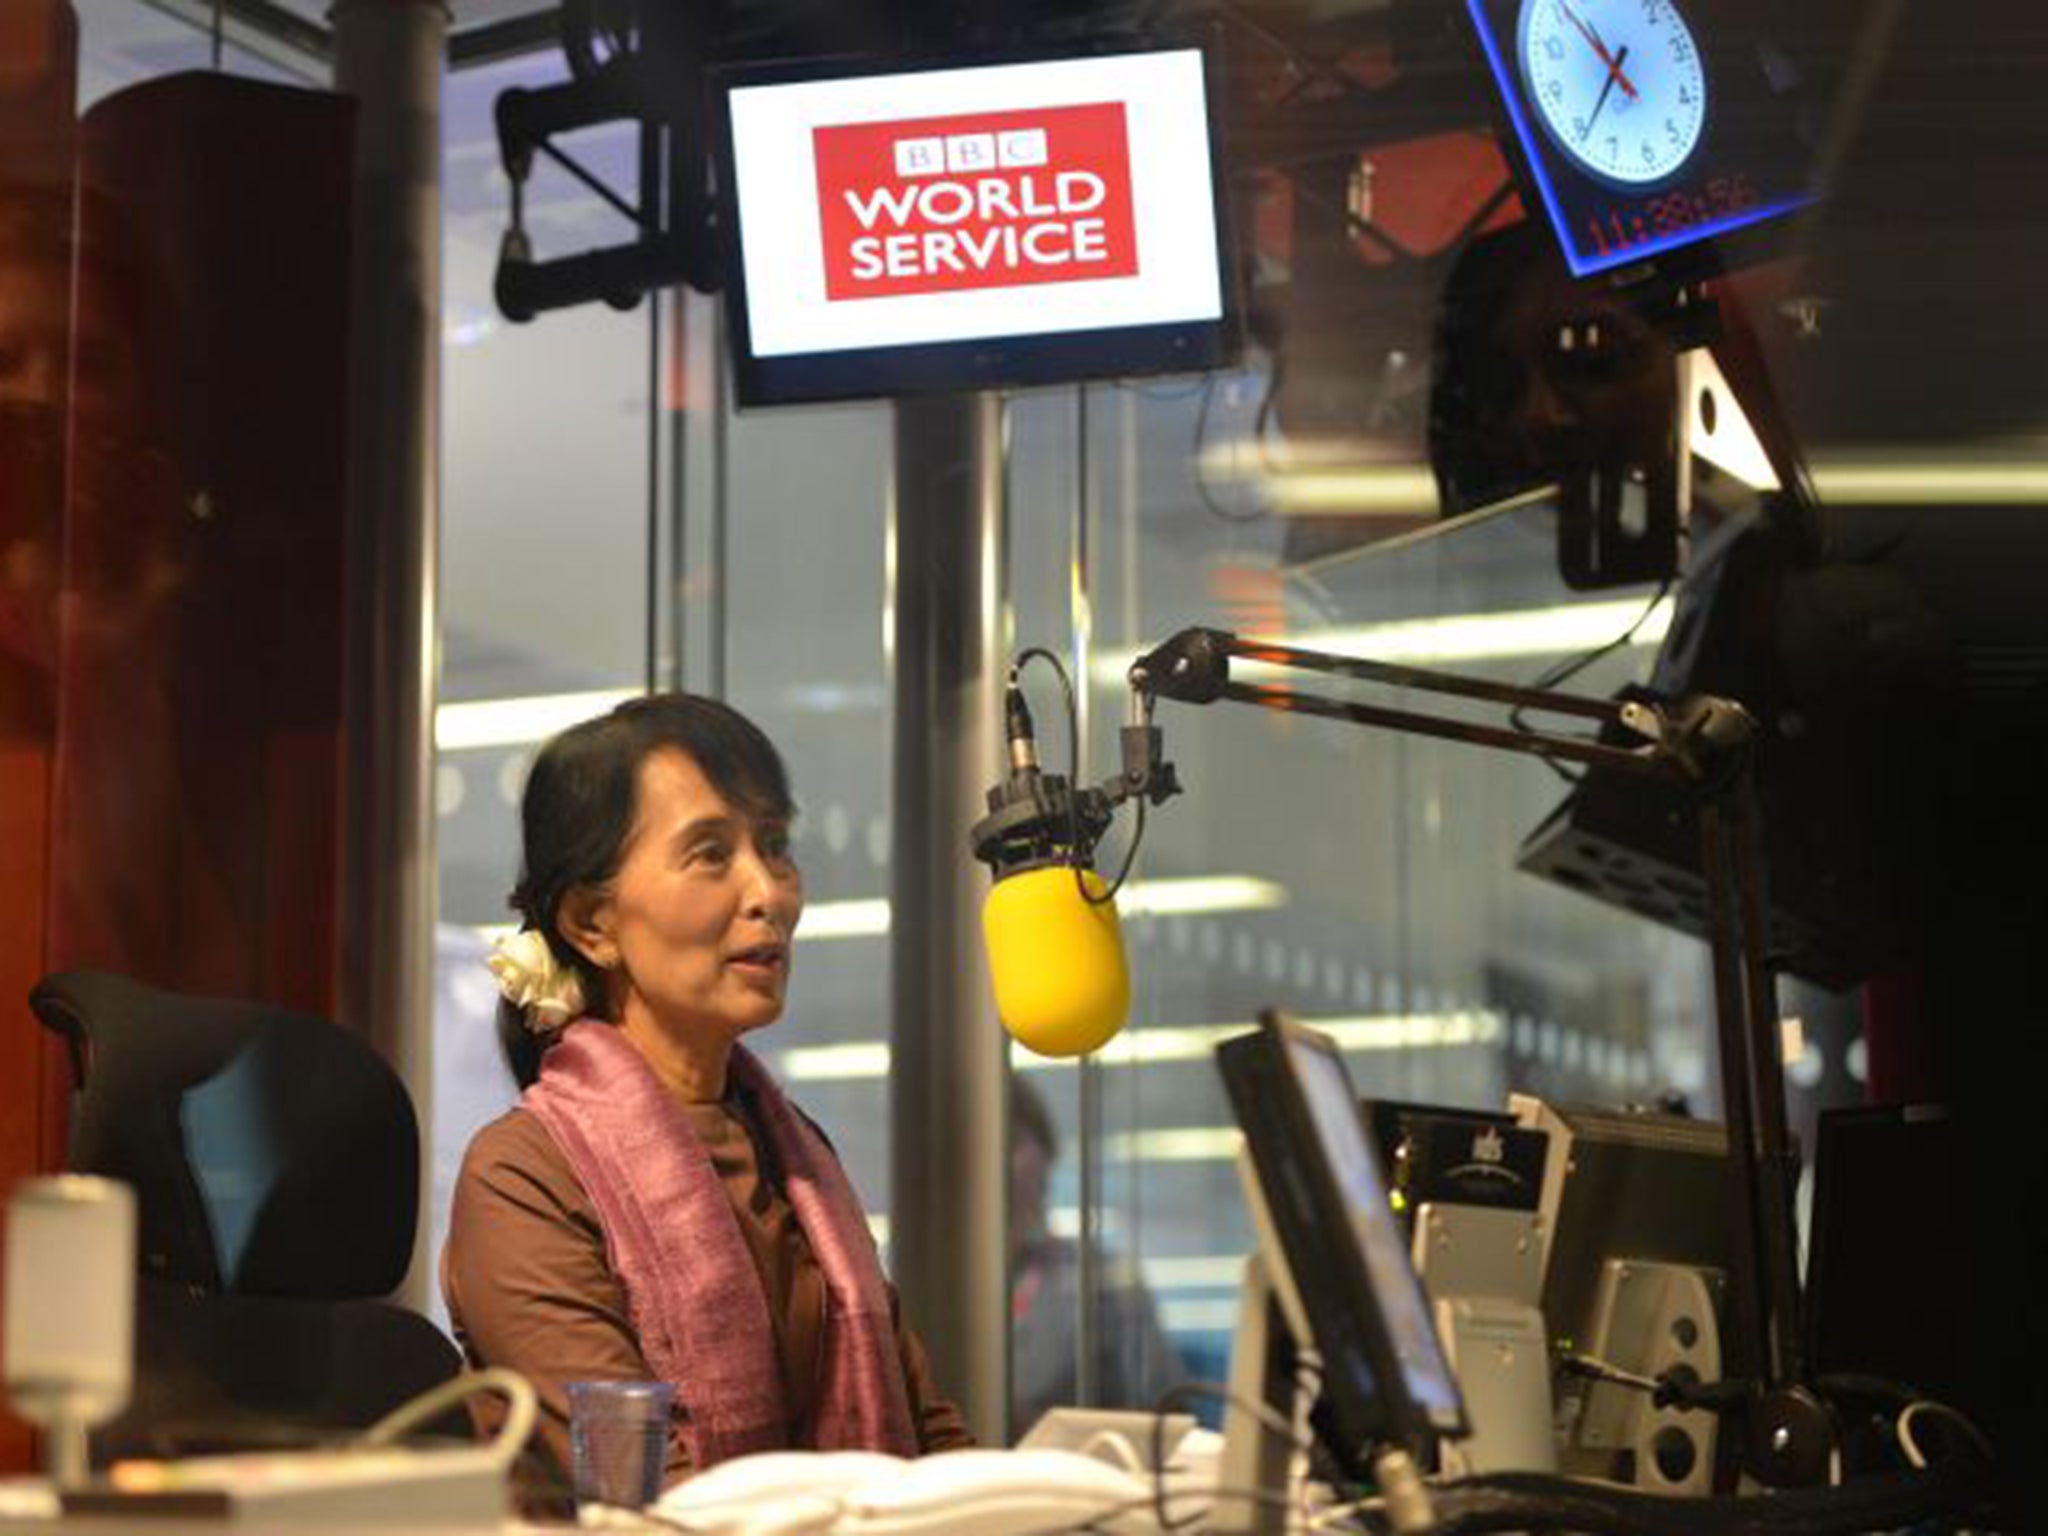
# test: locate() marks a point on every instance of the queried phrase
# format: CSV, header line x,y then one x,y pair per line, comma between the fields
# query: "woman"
x,y
655,1209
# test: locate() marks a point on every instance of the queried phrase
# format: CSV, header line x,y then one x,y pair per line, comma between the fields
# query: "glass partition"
x,y
1364,881
121,42
803,516
544,568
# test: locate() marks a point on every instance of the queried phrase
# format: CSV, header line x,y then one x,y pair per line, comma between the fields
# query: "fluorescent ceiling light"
x,y
1918,482
1387,490
1976,482
1315,481
1791,1038
867,917
851,1062
1065,1221
1199,893
518,722
1322,479
1370,1032
860,1059
860,918
1202,1316
1202,1272
1174,1144
1402,1032
1524,632
1558,630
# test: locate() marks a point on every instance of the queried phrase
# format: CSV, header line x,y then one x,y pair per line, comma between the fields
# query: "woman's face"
x,y
699,918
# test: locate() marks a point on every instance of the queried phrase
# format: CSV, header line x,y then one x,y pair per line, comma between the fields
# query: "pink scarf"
x,y
693,1292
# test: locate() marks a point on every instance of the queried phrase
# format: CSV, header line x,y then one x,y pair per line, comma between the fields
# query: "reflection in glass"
x,y
1134,1361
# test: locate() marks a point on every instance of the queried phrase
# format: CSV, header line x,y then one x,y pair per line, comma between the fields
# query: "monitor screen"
x,y
1648,128
1347,1147
1385,1376
899,229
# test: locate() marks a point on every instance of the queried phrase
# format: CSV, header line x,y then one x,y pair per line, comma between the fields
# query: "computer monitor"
x,y
951,225
1385,1377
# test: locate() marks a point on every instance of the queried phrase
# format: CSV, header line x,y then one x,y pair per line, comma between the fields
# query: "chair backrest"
x,y
275,1160
272,1153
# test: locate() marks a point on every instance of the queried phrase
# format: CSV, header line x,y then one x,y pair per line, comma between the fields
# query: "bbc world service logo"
x,y
983,200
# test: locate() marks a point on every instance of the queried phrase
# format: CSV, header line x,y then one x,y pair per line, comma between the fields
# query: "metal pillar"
x,y
949,1187
388,55
1081,621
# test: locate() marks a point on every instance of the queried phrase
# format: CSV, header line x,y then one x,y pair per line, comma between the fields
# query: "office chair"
x,y
275,1162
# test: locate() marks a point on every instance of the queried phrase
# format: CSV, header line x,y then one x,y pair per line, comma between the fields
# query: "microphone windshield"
x,y
1057,960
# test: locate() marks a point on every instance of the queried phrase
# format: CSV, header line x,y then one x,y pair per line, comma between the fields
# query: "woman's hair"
x,y
578,812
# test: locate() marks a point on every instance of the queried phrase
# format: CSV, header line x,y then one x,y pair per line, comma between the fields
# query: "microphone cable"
x,y
1077,858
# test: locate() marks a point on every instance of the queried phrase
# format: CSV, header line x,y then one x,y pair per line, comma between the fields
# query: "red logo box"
x,y
982,200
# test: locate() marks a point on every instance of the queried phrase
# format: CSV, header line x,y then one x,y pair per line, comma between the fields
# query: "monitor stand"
x,y
1263,1372
1266,1373
1482,1269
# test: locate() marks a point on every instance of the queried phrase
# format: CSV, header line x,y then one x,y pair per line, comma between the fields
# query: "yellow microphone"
x,y
1055,948
1056,958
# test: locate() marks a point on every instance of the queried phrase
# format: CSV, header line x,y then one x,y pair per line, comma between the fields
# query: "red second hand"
x,y
1593,41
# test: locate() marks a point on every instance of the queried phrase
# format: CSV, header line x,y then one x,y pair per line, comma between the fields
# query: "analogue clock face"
x,y
1617,84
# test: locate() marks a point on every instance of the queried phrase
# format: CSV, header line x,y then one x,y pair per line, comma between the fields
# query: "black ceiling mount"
x,y
638,61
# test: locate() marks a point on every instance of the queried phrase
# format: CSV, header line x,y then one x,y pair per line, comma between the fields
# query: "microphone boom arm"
x,y
1692,742
1703,744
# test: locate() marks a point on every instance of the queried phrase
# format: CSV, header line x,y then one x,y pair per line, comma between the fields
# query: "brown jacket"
x,y
528,1284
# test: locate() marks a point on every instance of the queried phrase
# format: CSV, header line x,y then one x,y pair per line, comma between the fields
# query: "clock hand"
x,y
1613,74
1592,38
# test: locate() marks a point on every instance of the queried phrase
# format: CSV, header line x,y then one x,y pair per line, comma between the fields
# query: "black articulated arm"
x,y
1704,745
654,78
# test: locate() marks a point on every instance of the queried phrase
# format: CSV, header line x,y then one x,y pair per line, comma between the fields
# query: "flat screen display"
x,y
1347,1148
963,227
1649,127
1385,1376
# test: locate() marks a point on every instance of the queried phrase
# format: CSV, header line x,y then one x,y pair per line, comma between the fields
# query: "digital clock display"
x,y
1647,126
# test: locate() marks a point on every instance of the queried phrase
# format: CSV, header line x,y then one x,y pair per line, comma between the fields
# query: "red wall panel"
x,y
171,495
197,781
38,74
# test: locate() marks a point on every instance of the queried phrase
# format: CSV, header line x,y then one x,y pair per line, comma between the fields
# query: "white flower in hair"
x,y
530,977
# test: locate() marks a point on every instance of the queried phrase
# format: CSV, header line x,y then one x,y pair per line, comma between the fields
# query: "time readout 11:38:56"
x,y
1638,222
